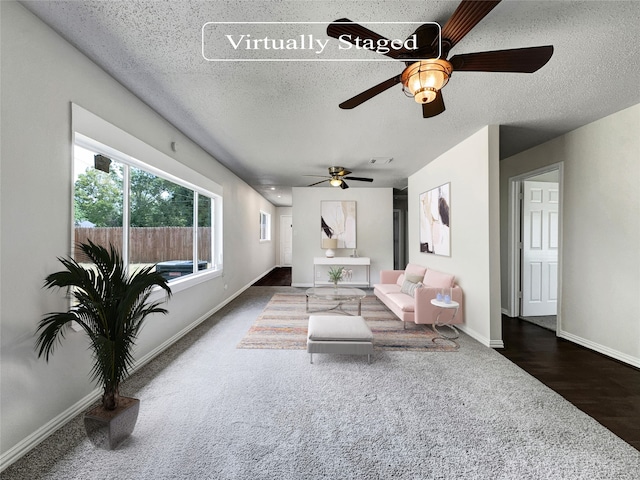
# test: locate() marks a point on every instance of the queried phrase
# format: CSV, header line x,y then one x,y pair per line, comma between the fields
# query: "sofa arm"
x,y
423,297
390,276
425,312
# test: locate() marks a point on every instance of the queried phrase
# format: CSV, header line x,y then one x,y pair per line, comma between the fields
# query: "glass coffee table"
x,y
340,295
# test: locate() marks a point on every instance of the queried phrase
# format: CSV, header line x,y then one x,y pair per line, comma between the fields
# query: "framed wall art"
x,y
435,217
338,221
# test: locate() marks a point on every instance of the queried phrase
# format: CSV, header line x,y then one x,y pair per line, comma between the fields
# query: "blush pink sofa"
x,y
418,308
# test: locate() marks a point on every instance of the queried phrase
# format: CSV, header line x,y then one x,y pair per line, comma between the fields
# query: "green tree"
x,y
98,197
155,202
204,211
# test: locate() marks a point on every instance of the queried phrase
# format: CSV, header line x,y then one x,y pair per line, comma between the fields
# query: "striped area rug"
x,y
283,325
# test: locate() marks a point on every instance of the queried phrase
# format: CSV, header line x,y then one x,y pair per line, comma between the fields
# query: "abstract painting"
x,y
338,220
435,216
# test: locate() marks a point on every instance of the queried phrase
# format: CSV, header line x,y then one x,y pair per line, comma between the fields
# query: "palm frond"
x,y
52,329
110,307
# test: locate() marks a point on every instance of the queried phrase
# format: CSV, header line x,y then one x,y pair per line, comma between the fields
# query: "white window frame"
x,y
265,232
94,133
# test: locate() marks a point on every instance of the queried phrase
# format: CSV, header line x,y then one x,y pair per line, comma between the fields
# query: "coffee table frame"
x,y
339,294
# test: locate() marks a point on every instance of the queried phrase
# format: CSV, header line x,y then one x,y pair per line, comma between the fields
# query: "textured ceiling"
x,y
274,122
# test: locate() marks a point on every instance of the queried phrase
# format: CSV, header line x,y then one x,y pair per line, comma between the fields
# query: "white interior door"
x,y
540,248
286,240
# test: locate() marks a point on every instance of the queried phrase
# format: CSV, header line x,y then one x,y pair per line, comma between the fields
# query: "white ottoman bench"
x,y
339,334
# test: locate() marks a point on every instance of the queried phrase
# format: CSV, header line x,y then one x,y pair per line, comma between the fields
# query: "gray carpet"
x,y
212,411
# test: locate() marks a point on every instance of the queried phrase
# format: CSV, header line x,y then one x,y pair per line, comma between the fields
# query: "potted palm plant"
x,y
335,275
110,306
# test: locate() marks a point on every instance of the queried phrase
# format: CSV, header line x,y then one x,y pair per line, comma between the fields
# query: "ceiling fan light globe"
x,y
423,79
335,182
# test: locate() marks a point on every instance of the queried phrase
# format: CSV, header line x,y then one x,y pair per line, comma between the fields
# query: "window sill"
x,y
186,282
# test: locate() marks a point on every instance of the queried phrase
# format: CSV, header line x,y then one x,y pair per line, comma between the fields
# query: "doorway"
x,y
535,251
400,226
286,240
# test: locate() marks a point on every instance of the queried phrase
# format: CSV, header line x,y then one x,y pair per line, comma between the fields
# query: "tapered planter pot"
x,y
109,428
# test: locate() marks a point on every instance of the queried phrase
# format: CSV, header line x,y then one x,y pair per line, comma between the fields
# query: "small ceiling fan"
x,y
337,177
427,70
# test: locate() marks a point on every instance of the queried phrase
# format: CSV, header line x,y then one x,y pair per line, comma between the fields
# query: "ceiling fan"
x,y
337,177
427,70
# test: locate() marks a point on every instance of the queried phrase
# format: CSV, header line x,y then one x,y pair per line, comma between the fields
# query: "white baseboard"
x,y
262,275
32,440
24,446
487,342
609,352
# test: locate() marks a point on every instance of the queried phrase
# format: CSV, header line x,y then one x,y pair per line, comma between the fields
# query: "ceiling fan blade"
x,y
344,185
434,108
521,60
352,30
360,179
370,93
321,181
467,15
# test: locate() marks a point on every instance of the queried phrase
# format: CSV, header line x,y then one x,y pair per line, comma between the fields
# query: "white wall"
x,y
374,235
41,75
600,271
472,169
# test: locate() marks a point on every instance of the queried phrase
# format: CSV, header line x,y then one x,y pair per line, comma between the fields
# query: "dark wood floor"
x,y
605,389
278,277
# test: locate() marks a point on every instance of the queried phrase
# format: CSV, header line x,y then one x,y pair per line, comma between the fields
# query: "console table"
x,y
358,266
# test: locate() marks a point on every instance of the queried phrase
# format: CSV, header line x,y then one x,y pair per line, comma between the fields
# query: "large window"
x,y
151,217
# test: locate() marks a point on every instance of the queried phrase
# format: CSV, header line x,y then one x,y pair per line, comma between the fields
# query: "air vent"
x,y
380,160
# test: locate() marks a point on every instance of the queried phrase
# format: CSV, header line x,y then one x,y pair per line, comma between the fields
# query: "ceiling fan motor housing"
x,y
338,171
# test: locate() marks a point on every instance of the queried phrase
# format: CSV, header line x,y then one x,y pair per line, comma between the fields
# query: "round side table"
x,y
445,306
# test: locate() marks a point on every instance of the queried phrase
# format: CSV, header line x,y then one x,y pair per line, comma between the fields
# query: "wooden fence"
x,y
150,244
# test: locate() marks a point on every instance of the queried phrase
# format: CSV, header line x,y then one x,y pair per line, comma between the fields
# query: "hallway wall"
x,y
41,76
600,259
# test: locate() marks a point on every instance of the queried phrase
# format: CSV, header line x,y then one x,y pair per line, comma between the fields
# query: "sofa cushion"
x,y
412,277
409,287
433,278
338,328
413,269
387,288
405,302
